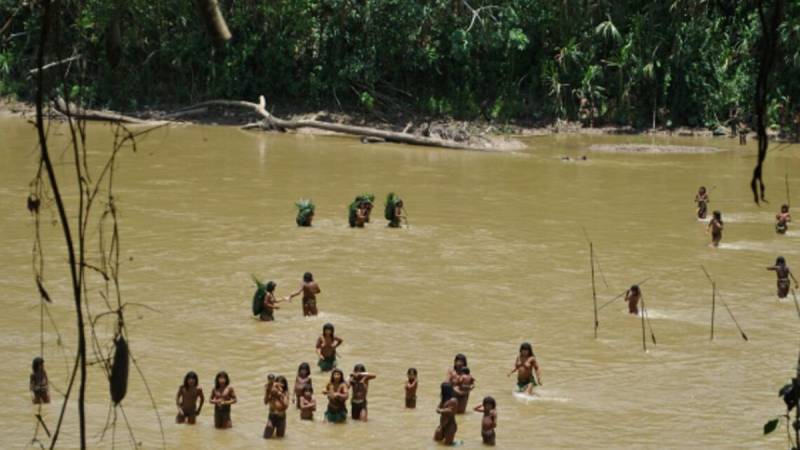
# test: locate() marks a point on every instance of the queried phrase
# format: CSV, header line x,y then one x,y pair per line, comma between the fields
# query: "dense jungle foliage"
x,y
668,63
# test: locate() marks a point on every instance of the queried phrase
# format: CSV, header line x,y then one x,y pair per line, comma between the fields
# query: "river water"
x,y
495,255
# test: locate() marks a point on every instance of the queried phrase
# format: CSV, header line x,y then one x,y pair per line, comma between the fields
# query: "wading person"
x,y
302,380
276,395
466,383
783,272
715,228
189,399
326,348
305,212
337,394
448,405
222,397
270,303
39,384
632,297
394,211
489,421
702,201
307,403
359,387
309,289
411,388
527,368
782,220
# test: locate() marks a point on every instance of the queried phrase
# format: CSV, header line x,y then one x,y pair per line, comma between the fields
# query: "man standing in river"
x,y
309,289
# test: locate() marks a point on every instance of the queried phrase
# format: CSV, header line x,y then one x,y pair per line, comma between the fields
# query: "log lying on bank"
x,y
368,133
79,113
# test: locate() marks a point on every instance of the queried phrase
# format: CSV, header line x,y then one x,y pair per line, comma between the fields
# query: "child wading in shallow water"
x,y
302,380
39,384
186,399
337,394
702,201
359,386
309,289
527,368
446,431
276,395
307,403
466,383
782,220
222,397
489,421
632,297
783,272
411,388
715,228
326,348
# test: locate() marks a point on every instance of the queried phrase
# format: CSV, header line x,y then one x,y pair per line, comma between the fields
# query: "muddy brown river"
x,y
495,255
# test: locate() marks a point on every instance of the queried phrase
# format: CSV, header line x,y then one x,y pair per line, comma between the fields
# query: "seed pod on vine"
x,y
118,380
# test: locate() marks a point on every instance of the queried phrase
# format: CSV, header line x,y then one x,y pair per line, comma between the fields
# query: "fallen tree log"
x,y
79,113
374,133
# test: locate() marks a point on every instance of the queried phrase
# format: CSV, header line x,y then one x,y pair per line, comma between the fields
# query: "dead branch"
x,y
75,112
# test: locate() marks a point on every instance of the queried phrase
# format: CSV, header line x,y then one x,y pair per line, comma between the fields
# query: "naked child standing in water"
x,y
702,201
326,348
309,289
715,228
783,272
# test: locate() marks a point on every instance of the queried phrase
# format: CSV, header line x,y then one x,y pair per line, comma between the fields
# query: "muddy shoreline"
x,y
416,124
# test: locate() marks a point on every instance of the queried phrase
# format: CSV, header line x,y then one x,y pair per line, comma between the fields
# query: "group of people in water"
x,y
359,211
454,392
715,225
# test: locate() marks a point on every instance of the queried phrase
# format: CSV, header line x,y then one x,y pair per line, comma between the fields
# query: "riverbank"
x,y
444,128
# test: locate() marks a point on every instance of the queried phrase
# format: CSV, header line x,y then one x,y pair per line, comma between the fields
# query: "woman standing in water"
x,y
222,397
715,228
446,431
337,394
309,289
527,368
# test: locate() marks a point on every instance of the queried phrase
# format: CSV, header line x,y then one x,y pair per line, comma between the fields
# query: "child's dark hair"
x,y
280,379
784,208
308,277
460,357
190,376
304,366
446,392
37,365
780,261
463,371
718,216
359,368
635,288
489,404
222,374
308,388
271,286
328,326
702,189
411,370
335,371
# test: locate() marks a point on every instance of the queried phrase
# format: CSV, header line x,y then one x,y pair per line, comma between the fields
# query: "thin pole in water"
x,y
796,304
644,339
649,325
713,306
594,290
